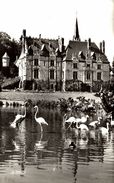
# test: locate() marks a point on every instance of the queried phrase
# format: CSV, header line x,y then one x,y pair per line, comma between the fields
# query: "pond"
x,y
29,156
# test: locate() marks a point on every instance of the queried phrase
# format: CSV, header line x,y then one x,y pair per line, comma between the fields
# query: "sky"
x,y
53,18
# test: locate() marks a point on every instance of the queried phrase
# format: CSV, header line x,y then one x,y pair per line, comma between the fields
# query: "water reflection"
x,y
47,156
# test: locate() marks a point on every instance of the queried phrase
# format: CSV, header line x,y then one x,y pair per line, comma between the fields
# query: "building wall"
x,y
27,66
82,70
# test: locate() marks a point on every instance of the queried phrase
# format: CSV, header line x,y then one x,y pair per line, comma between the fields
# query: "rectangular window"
x,y
75,75
99,67
36,73
51,74
36,62
51,63
75,65
88,75
88,65
99,76
44,63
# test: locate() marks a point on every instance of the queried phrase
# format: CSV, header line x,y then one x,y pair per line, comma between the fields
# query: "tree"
x,y
11,46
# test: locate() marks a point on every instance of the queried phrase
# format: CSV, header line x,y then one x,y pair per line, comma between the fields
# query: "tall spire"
x,y
76,36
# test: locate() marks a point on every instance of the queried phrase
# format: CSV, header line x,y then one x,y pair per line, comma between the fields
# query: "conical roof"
x,y
5,55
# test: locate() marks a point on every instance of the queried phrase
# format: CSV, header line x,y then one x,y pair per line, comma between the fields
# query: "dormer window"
x,y
81,55
93,55
99,67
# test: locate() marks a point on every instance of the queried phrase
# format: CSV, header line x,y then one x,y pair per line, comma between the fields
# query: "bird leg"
x,y
41,128
69,126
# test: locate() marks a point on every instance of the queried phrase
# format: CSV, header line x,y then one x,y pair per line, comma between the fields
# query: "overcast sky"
x,y
53,18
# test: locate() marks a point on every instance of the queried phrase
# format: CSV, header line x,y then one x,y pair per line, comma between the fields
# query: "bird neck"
x,y
107,126
64,117
25,112
36,112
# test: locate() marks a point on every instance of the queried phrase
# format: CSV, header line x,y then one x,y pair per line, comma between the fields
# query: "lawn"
x,y
52,96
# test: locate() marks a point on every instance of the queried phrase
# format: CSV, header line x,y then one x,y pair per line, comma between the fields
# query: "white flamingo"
x,y
84,119
94,124
104,130
39,120
18,119
70,120
83,127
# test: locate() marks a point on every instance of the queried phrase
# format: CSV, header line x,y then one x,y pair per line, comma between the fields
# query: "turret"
x,y
5,65
5,60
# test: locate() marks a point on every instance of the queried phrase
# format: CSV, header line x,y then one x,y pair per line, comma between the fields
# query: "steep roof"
x,y
49,43
75,47
45,46
5,55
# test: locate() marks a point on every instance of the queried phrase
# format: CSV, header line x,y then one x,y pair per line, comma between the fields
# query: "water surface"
x,y
28,156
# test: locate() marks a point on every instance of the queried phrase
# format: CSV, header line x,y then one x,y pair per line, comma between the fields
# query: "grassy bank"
x,y
25,95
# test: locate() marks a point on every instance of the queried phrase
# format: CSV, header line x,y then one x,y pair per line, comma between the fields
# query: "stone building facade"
x,y
85,63
40,63
47,64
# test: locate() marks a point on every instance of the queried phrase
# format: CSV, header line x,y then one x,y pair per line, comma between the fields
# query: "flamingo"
x,y
104,130
83,127
18,119
70,120
94,124
73,120
39,120
84,119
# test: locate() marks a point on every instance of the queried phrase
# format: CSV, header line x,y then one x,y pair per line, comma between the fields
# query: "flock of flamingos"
x,y
81,126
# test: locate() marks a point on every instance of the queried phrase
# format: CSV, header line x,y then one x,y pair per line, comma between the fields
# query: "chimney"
x,y
61,44
24,44
39,36
24,33
103,46
89,43
100,45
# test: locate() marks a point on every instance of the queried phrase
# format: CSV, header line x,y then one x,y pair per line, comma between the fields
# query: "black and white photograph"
x,y
57,91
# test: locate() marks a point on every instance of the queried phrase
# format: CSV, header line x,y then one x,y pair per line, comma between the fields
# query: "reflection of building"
x,y
40,62
43,62
85,61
